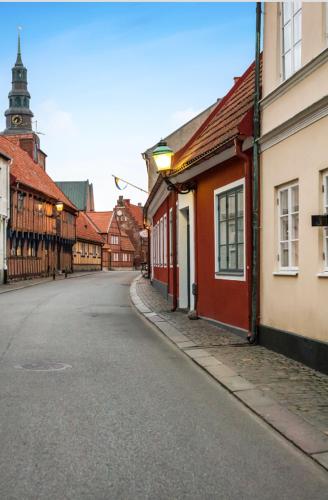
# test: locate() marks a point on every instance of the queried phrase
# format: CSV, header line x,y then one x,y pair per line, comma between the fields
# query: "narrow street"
x,y
128,416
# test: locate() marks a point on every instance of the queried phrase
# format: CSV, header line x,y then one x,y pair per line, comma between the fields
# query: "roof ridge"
x,y
221,103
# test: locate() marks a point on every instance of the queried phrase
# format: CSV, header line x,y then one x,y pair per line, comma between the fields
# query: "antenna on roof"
x,y
36,128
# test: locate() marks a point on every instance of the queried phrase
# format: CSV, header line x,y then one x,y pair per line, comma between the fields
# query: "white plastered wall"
x,y
186,201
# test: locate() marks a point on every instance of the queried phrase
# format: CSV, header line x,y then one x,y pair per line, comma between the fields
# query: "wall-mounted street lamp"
x,y
59,206
162,156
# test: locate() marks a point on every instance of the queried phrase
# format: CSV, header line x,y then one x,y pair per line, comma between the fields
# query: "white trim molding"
x,y
301,120
229,275
297,77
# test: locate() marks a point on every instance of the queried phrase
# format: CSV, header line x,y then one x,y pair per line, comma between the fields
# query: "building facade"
x,y
4,213
294,181
42,229
201,234
87,251
130,220
118,250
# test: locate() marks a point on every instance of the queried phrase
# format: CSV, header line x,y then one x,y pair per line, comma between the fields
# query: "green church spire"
x,y
19,61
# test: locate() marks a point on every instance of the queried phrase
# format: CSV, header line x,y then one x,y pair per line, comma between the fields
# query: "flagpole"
x,y
130,184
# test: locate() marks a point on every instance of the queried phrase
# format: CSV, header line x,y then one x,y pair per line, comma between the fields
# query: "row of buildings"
x,y
239,231
48,227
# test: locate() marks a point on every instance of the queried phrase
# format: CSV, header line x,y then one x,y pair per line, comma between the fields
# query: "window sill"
x,y
285,273
230,276
323,275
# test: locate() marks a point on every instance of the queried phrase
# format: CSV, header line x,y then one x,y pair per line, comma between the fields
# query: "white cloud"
x,y
56,123
183,116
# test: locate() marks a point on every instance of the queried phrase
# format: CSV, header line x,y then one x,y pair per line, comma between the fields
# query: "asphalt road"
x,y
131,417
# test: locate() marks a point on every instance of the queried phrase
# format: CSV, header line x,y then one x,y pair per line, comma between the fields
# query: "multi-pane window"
x,y
115,257
171,235
165,241
114,240
291,37
288,216
230,231
325,229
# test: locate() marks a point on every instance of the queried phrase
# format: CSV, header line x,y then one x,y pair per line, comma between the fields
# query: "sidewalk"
x,y
18,285
289,396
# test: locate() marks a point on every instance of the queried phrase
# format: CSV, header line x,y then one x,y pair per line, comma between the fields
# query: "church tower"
x,y
18,115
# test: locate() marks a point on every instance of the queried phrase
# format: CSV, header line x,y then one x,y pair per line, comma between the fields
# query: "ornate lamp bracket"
x,y
180,188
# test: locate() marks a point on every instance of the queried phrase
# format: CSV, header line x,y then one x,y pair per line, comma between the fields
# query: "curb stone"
x,y
303,435
43,281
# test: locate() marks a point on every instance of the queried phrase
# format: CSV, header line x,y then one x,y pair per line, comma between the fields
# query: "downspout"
x,y
253,337
175,237
194,313
249,232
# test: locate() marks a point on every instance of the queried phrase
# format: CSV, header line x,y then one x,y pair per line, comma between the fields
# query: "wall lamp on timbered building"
x,y
59,206
162,156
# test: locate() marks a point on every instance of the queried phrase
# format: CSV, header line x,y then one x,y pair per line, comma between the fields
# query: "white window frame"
x,y
171,237
217,273
115,257
165,240
161,242
294,12
325,211
289,188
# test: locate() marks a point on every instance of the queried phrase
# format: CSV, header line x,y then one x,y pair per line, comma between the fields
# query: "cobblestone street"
x,y
300,389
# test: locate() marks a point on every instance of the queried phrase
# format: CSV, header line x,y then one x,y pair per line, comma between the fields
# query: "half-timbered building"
x,y
42,227
87,251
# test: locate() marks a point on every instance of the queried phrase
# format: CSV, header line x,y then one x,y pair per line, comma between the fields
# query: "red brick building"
x,y
118,250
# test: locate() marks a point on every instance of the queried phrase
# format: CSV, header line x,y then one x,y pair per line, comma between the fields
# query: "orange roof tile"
x,y
126,244
28,173
101,220
230,118
85,229
136,212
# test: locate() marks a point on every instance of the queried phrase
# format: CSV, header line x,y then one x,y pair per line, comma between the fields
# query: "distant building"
x,y
130,220
87,251
4,213
80,193
118,250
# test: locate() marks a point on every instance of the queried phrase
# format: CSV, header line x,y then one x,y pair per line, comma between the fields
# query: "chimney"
x,y
120,201
235,79
140,204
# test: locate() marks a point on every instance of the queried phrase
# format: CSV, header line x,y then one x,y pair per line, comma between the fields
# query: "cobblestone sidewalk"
x,y
298,388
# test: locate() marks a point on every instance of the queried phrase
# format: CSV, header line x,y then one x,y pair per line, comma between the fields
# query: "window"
x,y
114,240
230,230
161,239
325,229
115,257
165,241
20,202
171,236
291,37
288,220
83,249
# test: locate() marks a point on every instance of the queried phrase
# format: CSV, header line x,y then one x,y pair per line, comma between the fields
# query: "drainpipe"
x,y
248,199
253,337
194,313
175,238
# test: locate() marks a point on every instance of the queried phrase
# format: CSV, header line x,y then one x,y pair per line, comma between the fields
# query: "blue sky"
x,y
108,80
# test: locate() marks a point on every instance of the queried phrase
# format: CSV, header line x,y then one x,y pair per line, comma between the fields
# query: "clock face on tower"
x,y
16,120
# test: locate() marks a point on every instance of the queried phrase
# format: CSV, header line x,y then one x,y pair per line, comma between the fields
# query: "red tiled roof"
x,y
101,220
85,229
230,118
136,212
28,173
126,244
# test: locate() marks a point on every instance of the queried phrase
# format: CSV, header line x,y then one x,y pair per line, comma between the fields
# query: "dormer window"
x,y
291,37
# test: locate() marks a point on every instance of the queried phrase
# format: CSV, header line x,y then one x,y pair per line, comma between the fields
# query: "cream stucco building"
x,y
294,181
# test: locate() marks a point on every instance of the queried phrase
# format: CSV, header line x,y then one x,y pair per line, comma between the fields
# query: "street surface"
x,y
128,416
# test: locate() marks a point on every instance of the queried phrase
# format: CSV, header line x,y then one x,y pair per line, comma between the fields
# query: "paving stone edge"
x,y
42,281
303,435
